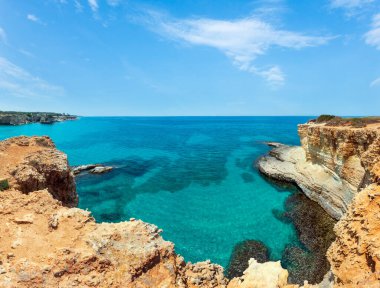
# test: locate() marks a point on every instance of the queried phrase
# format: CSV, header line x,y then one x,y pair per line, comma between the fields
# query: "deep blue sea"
x,y
194,177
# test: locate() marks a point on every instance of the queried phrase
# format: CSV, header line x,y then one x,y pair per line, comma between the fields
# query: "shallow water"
x,y
192,176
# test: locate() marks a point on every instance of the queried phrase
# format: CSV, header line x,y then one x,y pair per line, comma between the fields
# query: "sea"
x,y
193,177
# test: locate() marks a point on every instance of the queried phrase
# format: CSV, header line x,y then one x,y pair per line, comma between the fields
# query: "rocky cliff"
x,y
46,244
20,118
333,164
355,254
33,163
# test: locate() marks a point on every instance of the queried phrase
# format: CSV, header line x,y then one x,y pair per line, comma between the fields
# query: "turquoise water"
x,y
194,177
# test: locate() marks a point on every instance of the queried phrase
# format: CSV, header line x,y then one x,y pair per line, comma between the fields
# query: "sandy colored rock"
x,y
351,153
33,163
333,164
262,275
64,247
355,254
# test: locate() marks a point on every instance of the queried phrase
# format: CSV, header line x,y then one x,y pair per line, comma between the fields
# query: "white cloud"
x,y
3,36
113,2
93,5
349,4
17,82
78,6
372,37
32,18
242,40
375,82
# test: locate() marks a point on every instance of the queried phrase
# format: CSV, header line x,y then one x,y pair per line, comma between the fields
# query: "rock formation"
x,y
355,255
92,168
20,118
43,244
333,164
46,244
31,164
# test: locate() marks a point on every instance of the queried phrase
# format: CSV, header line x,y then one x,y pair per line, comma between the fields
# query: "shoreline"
x,y
133,252
9,118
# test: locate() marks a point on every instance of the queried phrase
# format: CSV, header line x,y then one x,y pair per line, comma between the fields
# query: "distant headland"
x,y
21,118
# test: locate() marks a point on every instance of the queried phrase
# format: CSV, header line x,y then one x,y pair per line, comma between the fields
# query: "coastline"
x,y
137,251
22,118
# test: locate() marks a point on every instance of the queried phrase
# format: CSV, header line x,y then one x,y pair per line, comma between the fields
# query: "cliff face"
x,y
20,118
355,254
31,164
333,164
353,154
45,244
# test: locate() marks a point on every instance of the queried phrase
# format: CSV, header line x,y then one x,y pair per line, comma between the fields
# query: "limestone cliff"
x,y
333,164
43,244
351,153
46,244
355,254
33,163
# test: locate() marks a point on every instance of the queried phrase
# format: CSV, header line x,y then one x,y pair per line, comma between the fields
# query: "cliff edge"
x,y
333,164
44,242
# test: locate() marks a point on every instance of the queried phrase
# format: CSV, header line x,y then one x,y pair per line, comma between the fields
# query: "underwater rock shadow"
x,y
241,254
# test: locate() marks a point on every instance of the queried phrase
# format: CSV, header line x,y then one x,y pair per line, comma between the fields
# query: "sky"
x,y
190,57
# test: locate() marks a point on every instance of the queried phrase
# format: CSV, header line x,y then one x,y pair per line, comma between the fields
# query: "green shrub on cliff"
x,y
324,118
4,185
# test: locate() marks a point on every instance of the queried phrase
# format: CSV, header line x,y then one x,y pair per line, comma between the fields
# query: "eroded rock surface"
x,y
355,255
33,163
43,244
333,164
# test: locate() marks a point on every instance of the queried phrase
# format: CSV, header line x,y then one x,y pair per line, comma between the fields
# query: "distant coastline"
x,y
21,118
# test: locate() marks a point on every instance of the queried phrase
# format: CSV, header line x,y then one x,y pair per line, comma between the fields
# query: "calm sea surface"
x,y
194,177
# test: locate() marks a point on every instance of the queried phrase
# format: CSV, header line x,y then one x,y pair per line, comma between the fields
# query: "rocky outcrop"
x,y
333,164
31,164
92,168
355,255
20,118
353,154
43,244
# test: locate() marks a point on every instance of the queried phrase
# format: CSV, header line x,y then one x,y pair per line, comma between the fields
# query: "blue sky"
x,y
190,57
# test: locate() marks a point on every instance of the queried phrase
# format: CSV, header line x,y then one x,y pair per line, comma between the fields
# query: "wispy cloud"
x,y
349,4
17,82
113,2
32,18
242,40
372,37
3,36
93,5
35,19
375,82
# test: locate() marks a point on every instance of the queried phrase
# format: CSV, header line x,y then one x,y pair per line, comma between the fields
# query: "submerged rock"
x,y
241,254
101,169
315,229
92,168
